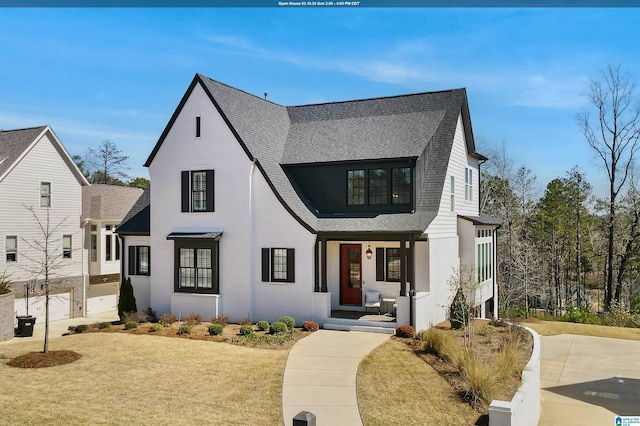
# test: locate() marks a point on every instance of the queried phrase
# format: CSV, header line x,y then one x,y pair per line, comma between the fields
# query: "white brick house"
x,y
262,210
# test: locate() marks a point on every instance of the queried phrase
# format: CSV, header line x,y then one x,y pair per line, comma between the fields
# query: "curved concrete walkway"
x,y
320,376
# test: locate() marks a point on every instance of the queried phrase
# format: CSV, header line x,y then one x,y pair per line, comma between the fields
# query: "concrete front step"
x,y
346,325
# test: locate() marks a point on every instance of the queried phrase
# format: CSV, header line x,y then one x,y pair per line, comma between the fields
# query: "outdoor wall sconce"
x,y
369,253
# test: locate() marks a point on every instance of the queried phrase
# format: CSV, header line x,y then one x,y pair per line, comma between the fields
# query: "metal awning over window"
x,y
201,235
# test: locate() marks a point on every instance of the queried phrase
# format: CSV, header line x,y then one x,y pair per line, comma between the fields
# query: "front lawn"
x,y
133,379
552,328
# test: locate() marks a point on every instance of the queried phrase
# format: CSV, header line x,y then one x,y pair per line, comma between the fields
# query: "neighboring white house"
x,y
37,172
263,210
103,208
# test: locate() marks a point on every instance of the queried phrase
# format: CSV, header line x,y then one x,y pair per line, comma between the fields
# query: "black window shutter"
x,y
149,260
185,191
132,260
265,264
379,264
210,192
291,265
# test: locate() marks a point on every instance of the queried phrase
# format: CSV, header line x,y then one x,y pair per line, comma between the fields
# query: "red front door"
x,y
351,274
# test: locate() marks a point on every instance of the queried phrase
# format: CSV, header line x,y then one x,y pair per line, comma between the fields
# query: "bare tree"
x,y
614,137
45,258
108,163
464,286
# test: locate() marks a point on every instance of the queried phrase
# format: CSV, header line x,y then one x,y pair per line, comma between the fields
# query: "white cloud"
x,y
538,91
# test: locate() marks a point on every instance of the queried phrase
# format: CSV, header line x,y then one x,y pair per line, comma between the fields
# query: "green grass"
x,y
552,328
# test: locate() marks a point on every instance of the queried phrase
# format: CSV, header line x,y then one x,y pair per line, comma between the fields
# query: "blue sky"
x,y
118,74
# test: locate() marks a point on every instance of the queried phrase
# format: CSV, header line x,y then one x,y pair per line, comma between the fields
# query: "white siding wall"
x,y
22,187
102,266
446,221
241,291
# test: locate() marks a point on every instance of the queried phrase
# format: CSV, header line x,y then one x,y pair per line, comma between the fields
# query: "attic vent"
x,y
265,96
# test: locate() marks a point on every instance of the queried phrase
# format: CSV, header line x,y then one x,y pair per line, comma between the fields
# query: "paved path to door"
x,y
588,380
320,376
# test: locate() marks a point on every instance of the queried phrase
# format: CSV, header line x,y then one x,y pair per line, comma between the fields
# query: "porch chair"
x,y
372,300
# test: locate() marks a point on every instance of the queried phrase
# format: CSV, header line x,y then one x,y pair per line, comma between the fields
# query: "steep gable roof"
x,y
404,126
15,144
138,219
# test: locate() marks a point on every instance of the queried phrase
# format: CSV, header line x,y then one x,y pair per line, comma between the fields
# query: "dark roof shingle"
x,y
13,143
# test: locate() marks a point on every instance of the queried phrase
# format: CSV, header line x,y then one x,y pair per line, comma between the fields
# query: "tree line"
x,y
569,248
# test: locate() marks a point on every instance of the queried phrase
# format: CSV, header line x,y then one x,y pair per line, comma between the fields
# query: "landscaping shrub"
x,y
488,331
127,301
193,319
104,325
497,322
278,327
138,316
184,329
310,326
246,329
155,327
245,321
458,311
215,329
406,331
263,325
223,320
289,321
129,325
167,319
152,315
80,328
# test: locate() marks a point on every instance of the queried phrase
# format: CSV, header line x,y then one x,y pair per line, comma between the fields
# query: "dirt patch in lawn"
x,y
41,359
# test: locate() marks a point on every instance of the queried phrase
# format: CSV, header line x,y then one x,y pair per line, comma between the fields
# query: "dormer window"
x,y
355,187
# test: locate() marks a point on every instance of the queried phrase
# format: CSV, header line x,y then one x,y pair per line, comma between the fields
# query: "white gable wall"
x,y
21,187
244,233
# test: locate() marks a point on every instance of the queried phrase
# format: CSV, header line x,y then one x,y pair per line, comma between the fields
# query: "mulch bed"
x,y
41,359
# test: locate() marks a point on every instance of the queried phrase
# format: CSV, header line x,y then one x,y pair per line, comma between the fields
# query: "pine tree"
x,y
127,302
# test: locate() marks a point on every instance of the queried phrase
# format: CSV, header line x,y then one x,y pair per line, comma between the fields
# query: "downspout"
x,y
251,244
122,263
84,275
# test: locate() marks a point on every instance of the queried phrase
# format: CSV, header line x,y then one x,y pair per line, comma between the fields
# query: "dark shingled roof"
x,y
108,202
13,143
138,220
483,219
406,126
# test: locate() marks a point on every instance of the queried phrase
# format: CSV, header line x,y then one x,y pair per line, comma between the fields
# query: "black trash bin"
x,y
25,325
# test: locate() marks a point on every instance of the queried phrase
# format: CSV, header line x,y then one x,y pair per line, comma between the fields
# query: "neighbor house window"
x,y
45,194
66,246
11,248
197,191
355,187
111,244
139,260
197,127
94,243
378,187
108,245
468,184
453,194
484,254
196,266
401,185
278,265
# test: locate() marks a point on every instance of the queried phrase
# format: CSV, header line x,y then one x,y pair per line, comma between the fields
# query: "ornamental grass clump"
x,y
482,383
215,329
167,319
154,328
223,320
193,319
278,327
289,321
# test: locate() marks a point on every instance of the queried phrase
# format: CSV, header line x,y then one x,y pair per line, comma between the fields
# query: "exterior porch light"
x,y
369,253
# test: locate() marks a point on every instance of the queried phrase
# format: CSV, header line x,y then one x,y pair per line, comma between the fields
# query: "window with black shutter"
x,y
197,191
278,265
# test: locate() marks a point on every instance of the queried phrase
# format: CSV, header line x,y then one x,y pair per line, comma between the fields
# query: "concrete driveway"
x,y
588,380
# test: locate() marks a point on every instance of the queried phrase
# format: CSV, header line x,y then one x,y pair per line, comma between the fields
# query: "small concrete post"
x,y
304,418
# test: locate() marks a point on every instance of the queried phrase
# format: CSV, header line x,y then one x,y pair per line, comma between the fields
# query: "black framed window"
x,y
139,260
196,266
108,247
401,185
278,265
393,264
197,191
198,120
355,187
378,186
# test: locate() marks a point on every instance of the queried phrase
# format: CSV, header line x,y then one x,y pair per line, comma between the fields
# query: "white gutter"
x,y
251,244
